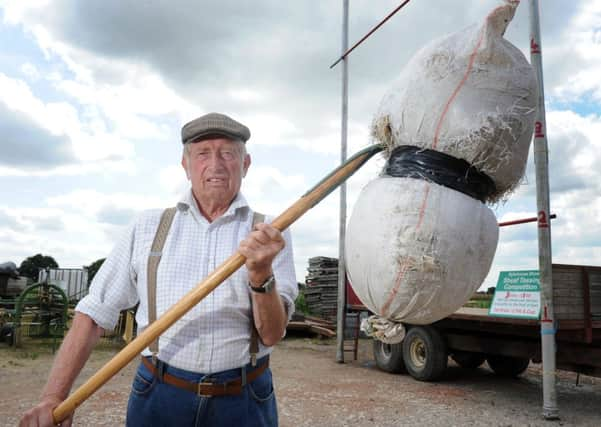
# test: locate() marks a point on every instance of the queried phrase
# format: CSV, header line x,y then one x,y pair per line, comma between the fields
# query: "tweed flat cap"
x,y
211,125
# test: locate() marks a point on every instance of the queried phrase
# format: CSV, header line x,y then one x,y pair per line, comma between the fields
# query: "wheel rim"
x,y
386,350
417,350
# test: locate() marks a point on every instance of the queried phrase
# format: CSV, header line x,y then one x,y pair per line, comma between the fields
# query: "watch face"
x,y
267,285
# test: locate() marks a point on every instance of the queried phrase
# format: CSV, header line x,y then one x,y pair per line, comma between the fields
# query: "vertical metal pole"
x,y
541,161
341,311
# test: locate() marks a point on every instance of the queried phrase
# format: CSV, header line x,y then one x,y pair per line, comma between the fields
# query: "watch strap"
x,y
265,287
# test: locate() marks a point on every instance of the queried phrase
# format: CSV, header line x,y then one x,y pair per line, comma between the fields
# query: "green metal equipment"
x,y
40,311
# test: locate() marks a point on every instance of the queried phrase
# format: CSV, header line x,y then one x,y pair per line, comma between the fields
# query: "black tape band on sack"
x,y
414,162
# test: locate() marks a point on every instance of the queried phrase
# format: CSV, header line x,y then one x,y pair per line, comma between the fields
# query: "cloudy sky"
x,y
93,95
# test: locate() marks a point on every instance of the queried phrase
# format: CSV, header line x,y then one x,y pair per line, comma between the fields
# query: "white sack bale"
x,y
471,95
415,250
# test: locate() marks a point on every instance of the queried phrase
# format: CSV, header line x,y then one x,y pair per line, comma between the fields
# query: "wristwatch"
x,y
266,287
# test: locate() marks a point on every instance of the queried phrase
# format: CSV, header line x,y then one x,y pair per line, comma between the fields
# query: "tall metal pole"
x,y
341,311
541,161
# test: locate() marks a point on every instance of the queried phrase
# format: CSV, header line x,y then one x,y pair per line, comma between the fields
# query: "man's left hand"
x,y
260,248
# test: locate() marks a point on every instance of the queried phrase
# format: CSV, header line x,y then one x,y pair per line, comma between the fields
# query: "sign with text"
x,y
517,295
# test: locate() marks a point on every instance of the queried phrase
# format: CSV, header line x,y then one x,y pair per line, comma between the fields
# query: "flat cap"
x,y
212,125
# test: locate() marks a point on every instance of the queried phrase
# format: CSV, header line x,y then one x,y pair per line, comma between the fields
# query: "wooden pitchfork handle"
x,y
202,289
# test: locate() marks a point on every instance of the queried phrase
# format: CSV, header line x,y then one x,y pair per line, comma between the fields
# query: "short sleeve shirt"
x,y
215,334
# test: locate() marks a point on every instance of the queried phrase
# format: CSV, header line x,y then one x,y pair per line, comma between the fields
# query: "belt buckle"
x,y
199,393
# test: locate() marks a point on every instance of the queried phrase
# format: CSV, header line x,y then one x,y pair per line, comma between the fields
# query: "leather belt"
x,y
207,388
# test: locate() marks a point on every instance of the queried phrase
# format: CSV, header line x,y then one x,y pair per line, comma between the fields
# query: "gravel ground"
x,y
314,390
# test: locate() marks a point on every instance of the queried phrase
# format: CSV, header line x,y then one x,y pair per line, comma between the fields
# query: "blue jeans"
x,y
154,403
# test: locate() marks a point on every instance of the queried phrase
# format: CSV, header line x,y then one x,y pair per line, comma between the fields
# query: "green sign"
x,y
517,295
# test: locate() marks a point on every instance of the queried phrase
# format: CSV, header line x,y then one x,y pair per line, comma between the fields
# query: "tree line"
x,y
31,266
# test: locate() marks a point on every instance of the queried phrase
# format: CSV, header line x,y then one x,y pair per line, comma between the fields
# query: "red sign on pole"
x,y
534,47
538,130
542,220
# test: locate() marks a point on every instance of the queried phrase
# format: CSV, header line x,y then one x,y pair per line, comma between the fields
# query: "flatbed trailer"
x,y
471,336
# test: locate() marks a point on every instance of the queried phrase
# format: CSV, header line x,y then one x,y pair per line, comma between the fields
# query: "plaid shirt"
x,y
215,334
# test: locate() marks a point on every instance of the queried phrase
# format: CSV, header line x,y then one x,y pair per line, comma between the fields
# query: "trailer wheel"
x,y
7,334
507,366
389,357
468,359
424,353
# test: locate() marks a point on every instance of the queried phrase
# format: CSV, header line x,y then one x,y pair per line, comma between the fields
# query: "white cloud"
x,y
173,180
88,140
90,202
574,144
16,10
61,233
271,128
581,44
81,169
53,116
30,71
130,105
262,181
243,94
75,228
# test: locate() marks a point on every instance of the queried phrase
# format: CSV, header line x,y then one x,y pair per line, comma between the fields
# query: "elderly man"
x,y
211,367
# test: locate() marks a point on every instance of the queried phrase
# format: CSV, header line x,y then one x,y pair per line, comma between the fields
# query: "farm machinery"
x,y
38,310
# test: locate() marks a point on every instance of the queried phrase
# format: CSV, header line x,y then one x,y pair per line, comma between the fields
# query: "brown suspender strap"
x,y
254,334
154,258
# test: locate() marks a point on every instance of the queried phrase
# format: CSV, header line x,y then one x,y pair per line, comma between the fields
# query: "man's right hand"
x,y
41,415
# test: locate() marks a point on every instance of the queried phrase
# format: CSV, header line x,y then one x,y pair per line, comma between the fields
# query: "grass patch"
x,y
300,303
479,301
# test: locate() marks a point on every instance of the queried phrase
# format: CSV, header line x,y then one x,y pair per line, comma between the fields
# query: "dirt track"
x,y
314,390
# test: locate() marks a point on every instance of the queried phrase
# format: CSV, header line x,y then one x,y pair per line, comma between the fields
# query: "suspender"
x,y
154,258
254,334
